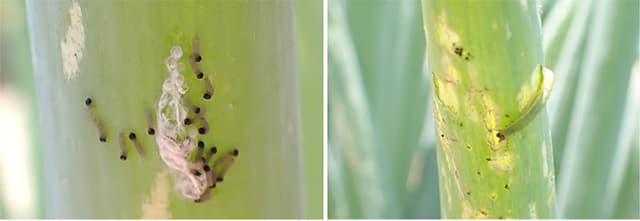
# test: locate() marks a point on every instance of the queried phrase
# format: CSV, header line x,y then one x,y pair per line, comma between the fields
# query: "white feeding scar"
x,y
72,45
174,142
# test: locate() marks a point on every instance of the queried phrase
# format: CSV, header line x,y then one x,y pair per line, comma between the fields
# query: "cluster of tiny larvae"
x,y
121,138
215,173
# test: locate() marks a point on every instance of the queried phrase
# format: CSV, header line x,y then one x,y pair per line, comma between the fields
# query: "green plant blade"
x,y
597,75
483,57
249,53
309,42
379,160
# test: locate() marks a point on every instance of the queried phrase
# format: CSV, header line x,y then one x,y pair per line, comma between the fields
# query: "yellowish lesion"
x,y
502,162
481,214
528,92
156,206
493,196
446,93
491,121
467,210
446,36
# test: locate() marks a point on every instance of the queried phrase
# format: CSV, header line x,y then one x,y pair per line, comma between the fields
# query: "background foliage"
x,y
381,137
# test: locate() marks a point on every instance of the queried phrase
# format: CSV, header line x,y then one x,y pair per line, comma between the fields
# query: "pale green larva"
x,y
537,104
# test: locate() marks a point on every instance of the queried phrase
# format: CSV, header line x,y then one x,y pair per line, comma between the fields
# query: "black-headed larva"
x,y
195,49
123,146
199,116
190,105
206,196
211,173
199,151
211,178
209,93
204,126
196,69
150,125
102,134
136,143
212,152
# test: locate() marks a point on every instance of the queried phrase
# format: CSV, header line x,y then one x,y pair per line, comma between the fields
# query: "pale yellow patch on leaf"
x,y
156,206
467,211
72,44
528,91
446,36
502,162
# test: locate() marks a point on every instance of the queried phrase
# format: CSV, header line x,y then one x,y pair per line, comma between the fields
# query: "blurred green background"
x,y
23,190
382,141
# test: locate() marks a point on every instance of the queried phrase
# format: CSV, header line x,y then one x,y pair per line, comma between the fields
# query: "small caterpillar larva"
x,y
199,151
195,49
136,143
212,152
209,93
204,126
102,134
195,119
150,126
206,196
542,95
123,146
190,105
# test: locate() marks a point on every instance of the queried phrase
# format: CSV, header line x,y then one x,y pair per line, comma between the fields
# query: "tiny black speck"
x,y
236,152
151,131
197,173
506,186
198,58
214,150
206,96
88,101
202,130
468,193
132,136
197,110
441,135
187,121
488,159
200,144
500,136
103,139
123,157
206,168
200,75
219,179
